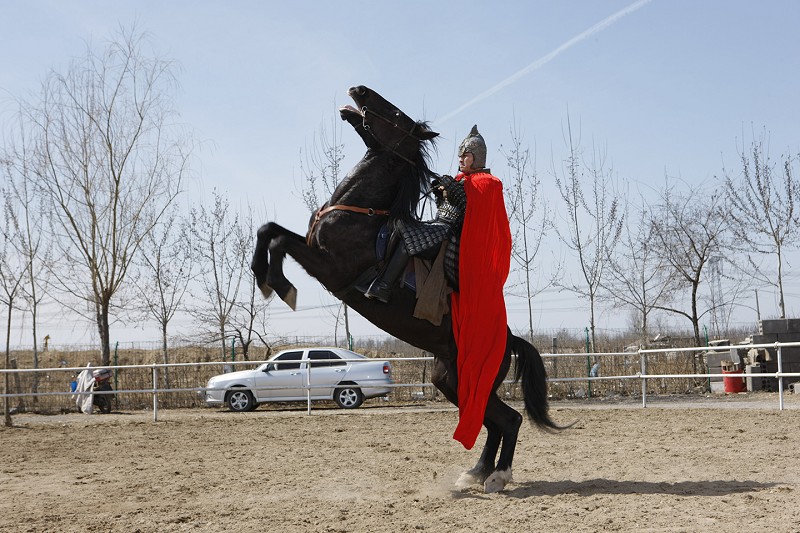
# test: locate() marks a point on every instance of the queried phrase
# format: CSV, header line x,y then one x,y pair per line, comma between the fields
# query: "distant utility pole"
x,y
715,262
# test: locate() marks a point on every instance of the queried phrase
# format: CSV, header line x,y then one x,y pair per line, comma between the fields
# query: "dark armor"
x,y
425,238
451,203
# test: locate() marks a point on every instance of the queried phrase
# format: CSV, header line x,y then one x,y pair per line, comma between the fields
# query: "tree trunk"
x,y
165,353
34,322
643,335
695,325
781,302
530,305
6,376
103,330
591,322
222,339
347,328
35,381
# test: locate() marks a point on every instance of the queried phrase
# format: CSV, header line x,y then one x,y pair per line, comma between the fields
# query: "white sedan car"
x,y
334,374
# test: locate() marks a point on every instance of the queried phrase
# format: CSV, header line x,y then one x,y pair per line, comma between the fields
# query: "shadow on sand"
x,y
591,487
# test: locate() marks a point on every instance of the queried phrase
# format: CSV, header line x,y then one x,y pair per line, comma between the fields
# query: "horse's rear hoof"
x,y
497,481
265,289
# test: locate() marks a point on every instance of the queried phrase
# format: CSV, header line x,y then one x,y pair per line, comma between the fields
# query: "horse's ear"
x,y
428,135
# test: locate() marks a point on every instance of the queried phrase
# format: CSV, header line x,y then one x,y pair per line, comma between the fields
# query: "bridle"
x,y
393,149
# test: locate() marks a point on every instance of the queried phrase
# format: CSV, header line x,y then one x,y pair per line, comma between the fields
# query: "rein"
x,y
369,211
393,149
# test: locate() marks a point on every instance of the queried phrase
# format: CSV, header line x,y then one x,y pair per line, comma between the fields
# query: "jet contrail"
x,y
600,26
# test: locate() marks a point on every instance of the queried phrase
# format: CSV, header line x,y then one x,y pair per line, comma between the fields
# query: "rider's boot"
x,y
381,287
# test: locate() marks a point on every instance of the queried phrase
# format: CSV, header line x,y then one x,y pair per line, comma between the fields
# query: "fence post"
x,y
643,372
308,385
155,393
116,372
780,377
588,363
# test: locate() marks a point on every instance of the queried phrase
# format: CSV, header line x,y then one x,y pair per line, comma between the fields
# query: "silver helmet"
x,y
474,144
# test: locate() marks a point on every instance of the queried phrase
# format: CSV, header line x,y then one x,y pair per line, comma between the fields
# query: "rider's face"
x,y
465,161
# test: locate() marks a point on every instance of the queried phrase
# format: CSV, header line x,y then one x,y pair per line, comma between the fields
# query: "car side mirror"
x,y
269,368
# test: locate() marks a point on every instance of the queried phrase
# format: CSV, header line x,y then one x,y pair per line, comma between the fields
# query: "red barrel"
x,y
735,383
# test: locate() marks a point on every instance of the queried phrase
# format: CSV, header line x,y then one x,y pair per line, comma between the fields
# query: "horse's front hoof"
x,y
466,480
291,298
497,481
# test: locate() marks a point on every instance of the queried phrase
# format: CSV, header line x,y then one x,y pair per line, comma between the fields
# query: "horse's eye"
x,y
398,114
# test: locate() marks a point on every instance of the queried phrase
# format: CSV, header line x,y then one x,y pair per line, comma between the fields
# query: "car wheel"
x,y
241,400
348,397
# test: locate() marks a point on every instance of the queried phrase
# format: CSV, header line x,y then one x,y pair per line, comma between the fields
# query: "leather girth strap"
x,y
355,209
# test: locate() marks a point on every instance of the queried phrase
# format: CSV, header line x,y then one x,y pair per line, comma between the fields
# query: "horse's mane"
x,y
417,183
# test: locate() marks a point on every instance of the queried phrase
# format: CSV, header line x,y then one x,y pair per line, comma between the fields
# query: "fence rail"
x,y
556,364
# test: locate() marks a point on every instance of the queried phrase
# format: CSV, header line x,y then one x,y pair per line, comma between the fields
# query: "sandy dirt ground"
x,y
675,466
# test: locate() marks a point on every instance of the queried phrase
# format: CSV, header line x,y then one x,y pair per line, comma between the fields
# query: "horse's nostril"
x,y
360,90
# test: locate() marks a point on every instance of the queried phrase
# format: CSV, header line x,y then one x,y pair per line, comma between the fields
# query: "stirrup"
x,y
364,286
379,290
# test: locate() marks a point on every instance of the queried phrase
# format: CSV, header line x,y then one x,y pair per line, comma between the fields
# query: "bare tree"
x,y
18,167
13,267
249,319
764,215
342,317
594,223
320,166
727,289
113,161
690,228
221,251
249,315
640,277
529,216
165,266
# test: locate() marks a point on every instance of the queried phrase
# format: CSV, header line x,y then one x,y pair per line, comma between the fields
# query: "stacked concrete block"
x,y
766,360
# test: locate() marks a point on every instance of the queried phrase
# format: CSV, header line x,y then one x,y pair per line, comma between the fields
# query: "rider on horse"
x,y
472,345
471,205
424,239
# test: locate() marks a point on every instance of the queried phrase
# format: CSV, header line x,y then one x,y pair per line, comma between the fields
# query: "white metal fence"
x,y
642,375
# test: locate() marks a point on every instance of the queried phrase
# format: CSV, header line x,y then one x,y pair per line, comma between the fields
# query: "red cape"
x,y
478,309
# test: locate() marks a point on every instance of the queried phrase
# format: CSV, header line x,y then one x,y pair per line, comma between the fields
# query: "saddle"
x,y
432,278
387,240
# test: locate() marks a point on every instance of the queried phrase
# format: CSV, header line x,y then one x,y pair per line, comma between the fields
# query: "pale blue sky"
x,y
668,87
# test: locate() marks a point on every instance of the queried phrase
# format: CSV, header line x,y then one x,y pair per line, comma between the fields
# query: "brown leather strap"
x,y
355,209
365,210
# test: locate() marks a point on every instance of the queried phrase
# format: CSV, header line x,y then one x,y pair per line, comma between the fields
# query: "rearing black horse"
x,y
388,183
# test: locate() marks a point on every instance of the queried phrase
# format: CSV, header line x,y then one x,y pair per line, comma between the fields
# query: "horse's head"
x,y
396,142
383,126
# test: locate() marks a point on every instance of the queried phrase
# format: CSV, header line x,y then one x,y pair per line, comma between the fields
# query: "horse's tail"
x,y
530,372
